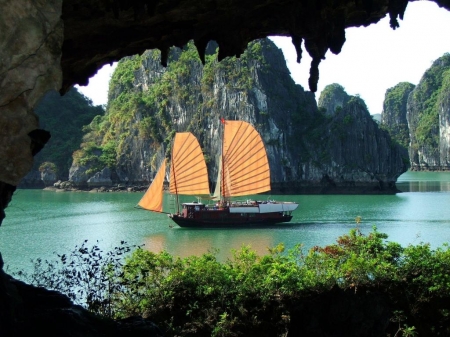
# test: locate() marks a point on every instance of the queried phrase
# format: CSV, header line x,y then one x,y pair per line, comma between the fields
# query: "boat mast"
x,y
222,179
174,176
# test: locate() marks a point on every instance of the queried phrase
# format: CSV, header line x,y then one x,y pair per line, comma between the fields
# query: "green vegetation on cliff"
x,y
394,112
145,111
65,116
428,95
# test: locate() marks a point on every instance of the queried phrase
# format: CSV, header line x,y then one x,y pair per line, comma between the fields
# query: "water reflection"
x,y
39,223
424,182
424,186
186,242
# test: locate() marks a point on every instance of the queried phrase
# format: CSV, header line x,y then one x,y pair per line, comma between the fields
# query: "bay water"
x,y
40,223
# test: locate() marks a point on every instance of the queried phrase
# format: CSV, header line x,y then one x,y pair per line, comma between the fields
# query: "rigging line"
x,y
187,186
144,209
246,162
222,162
241,185
242,167
243,155
234,135
191,176
172,170
244,140
250,137
247,175
188,165
248,189
237,143
181,151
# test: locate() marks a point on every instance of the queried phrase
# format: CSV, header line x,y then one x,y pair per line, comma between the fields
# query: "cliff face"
x,y
393,116
40,51
65,115
428,113
353,152
444,122
338,149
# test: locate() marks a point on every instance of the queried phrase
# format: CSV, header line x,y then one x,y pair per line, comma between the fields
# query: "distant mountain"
x,y
65,116
334,148
376,118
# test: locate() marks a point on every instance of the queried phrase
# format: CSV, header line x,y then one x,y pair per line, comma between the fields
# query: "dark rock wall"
x,y
335,149
358,154
46,43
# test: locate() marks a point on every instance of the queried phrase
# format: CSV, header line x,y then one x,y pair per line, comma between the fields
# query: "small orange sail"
x,y
153,198
188,173
245,165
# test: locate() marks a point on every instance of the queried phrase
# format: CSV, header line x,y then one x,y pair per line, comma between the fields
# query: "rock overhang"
x,y
97,32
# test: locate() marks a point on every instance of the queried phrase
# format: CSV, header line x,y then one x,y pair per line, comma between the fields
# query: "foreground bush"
x,y
360,286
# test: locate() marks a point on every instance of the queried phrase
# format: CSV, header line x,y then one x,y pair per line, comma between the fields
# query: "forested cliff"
x,y
65,116
418,117
334,148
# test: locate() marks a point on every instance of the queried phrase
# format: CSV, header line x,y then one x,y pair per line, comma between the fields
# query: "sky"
x,y
373,59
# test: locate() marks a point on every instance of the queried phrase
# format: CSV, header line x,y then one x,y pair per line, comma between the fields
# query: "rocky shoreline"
x,y
283,189
68,186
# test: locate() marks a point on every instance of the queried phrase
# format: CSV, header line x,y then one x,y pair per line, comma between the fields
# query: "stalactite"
x,y
314,74
396,9
164,56
297,42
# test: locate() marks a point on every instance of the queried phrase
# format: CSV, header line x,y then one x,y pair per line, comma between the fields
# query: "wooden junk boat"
x,y
243,171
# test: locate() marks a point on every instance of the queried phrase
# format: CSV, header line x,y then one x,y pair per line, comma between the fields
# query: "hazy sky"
x,y
373,59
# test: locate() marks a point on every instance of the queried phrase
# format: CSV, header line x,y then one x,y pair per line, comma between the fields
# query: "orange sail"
x,y
245,165
153,198
188,173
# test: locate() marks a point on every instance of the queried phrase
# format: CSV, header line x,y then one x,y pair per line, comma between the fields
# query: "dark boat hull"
x,y
229,220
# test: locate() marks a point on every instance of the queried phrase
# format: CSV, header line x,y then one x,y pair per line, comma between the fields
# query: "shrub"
x,y
256,295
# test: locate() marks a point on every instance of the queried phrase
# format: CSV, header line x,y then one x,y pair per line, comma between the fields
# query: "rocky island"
x,y
331,147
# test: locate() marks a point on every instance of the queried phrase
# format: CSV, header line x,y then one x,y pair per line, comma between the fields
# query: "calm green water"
x,y
39,223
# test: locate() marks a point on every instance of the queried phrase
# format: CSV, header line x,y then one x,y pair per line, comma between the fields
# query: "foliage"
x,y
64,116
427,98
427,130
255,295
148,112
331,90
48,166
124,75
87,275
358,259
96,157
394,113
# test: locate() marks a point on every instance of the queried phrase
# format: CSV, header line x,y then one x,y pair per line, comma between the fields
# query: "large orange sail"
x,y
153,198
188,173
245,166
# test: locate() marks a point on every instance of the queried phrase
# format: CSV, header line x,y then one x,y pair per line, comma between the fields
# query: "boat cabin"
x,y
190,207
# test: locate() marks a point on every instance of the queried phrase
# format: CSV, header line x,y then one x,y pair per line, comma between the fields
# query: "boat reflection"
x,y
184,243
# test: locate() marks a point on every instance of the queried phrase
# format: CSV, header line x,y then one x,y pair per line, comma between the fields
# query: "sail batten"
x,y
245,165
153,198
243,171
188,174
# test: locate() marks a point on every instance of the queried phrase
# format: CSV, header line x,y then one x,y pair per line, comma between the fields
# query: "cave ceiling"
x,y
97,32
